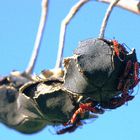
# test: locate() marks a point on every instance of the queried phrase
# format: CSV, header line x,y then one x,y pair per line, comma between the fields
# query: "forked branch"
x,y
130,5
39,36
107,15
64,23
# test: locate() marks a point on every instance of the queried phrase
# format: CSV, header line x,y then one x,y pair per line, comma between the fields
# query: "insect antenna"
x,y
124,44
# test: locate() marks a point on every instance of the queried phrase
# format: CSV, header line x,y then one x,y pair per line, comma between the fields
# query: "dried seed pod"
x,y
53,102
36,104
54,105
17,110
95,69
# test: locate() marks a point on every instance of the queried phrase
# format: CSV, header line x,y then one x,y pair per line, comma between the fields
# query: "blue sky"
x,y
18,26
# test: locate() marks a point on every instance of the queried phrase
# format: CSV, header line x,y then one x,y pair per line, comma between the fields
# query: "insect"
x,y
123,74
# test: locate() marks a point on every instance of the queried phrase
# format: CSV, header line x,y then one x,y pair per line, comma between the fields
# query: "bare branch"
x,y
130,5
64,23
39,36
105,20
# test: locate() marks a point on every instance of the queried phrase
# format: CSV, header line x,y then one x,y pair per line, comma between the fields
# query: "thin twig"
x,y
105,20
64,23
39,37
130,5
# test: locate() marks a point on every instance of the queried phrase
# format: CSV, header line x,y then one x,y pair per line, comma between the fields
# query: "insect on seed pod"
x,y
55,105
97,69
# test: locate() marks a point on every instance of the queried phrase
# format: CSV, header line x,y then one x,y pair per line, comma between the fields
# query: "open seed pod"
x,y
96,68
54,105
36,104
18,111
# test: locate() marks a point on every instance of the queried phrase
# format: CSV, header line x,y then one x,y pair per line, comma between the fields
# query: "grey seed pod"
x,y
94,70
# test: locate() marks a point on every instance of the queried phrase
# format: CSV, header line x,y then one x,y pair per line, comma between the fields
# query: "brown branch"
x,y
38,40
64,23
130,5
107,15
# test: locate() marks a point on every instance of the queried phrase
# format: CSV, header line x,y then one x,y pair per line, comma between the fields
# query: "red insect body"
x,y
127,82
116,47
78,111
126,73
124,86
83,107
119,49
81,110
127,68
136,73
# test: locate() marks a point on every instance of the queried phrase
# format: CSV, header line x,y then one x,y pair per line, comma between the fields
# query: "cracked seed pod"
x,y
16,110
36,104
95,69
54,104
19,112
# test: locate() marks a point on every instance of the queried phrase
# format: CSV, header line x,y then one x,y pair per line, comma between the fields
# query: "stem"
x,y
39,37
107,15
131,5
64,23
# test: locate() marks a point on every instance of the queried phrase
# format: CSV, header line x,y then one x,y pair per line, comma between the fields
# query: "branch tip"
x,y
39,36
106,17
64,23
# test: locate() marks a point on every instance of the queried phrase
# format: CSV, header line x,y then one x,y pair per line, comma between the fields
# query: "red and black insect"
x,y
112,91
